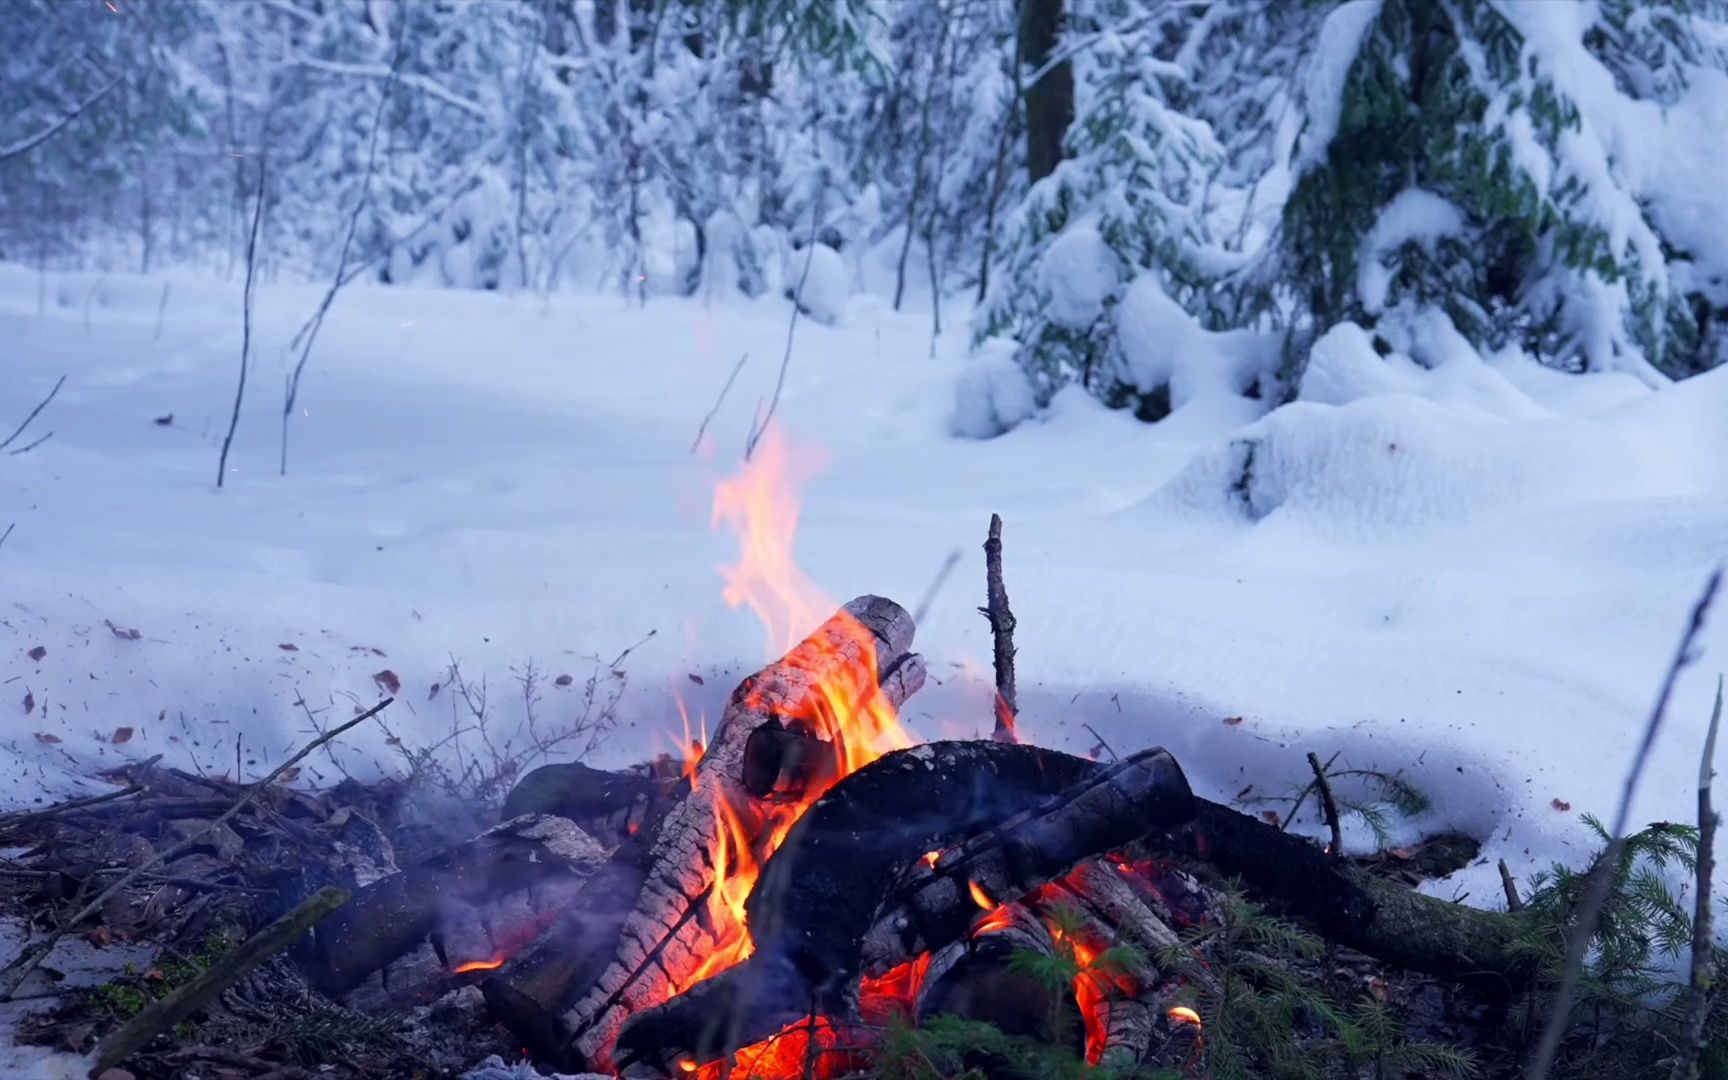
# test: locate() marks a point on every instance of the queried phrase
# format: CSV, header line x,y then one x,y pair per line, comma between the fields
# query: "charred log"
x,y
858,654
389,917
1020,815
578,792
973,978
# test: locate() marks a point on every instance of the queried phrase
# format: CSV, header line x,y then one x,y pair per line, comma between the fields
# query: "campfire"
x,y
801,880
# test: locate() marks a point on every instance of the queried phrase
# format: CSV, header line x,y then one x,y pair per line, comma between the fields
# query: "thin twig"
x,y
1303,797
245,325
1514,902
34,413
1001,633
1108,748
27,447
161,1015
9,527
1703,937
936,583
19,817
1328,804
703,428
1601,880
27,961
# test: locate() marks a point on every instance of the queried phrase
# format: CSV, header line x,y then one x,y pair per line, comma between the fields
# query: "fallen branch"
x,y
1703,939
162,1015
34,413
1001,634
1328,805
20,817
1596,894
1513,901
27,961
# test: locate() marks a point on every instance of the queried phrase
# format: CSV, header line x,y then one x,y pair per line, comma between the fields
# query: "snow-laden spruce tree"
x,y
1240,178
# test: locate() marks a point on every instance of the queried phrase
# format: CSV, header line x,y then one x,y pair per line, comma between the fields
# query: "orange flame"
x,y
479,965
895,991
979,896
849,711
995,920
1182,1014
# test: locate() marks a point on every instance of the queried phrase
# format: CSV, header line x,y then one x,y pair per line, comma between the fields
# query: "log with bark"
x,y
569,995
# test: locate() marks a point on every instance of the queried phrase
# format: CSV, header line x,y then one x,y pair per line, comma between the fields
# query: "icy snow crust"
x,y
1473,571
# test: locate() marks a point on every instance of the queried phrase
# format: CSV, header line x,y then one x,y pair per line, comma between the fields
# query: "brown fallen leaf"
x,y
122,735
1232,721
125,633
697,679
1401,853
45,737
288,647
432,693
1560,804
1269,816
29,703
37,653
164,421
563,680
388,682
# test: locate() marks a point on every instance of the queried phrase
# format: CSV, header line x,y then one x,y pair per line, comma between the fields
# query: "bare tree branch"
x,y
1602,878
703,428
31,142
34,413
1703,938
245,325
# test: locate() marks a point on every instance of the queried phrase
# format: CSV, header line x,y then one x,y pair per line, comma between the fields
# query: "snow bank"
x,y
992,394
1163,345
822,282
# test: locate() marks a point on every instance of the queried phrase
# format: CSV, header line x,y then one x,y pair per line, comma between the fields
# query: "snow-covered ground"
x,y
1473,573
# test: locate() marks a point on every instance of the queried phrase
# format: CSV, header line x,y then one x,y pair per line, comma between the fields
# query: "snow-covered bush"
x,y
992,395
821,282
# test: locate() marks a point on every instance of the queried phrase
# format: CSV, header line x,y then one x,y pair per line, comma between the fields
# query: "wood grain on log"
x,y
973,977
859,654
389,917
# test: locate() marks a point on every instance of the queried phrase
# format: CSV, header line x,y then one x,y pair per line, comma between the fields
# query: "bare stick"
x,y
1602,878
291,393
1328,804
34,413
1510,884
245,326
29,446
161,309
936,583
17,818
1703,939
1302,798
703,429
162,1015
1114,756
1002,634
9,527
20,968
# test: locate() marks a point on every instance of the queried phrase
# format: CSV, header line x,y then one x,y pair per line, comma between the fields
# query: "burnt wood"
x,y
1015,815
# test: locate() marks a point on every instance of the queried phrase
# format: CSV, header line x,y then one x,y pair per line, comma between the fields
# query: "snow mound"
x,y
822,284
1414,216
1162,344
992,394
1077,272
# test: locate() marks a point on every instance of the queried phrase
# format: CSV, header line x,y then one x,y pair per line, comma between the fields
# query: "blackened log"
x,y
1018,810
974,978
389,917
578,792
578,992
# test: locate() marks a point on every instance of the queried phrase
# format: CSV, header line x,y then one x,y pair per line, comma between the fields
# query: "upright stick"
x,y
245,327
1002,633
1703,940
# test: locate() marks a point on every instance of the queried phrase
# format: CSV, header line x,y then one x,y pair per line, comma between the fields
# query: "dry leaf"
x,y
697,679
288,647
1560,804
155,975
388,682
126,633
1401,853
45,737
392,741
38,653
164,421
29,703
122,735
563,680
430,694
1269,816
1232,721
289,774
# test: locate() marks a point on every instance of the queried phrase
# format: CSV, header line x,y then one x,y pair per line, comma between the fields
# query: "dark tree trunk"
x,y
1049,99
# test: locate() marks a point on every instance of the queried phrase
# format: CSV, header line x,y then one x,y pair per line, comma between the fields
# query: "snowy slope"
x,y
1471,572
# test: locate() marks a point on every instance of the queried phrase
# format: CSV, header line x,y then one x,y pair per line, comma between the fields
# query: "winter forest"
x,y
440,438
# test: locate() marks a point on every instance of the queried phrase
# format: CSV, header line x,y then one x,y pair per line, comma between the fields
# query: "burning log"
x,y
575,992
387,918
831,900
972,977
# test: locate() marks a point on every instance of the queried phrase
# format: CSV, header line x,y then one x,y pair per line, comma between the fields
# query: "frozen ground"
x,y
1471,572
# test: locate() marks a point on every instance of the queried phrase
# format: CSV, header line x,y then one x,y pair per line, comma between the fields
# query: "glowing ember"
x,y
995,920
894,992
979,896
1182,1014
930,858
479,965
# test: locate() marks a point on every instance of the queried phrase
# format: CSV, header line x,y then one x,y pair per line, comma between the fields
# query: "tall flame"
x,y
760,506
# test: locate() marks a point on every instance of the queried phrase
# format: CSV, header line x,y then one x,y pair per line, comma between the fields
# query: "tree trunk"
x,y
1049,99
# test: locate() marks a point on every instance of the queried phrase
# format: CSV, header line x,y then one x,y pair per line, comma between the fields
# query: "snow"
x,y
72,964
1413,216
1340,39
1473,571
823,283
1077,272
992,393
